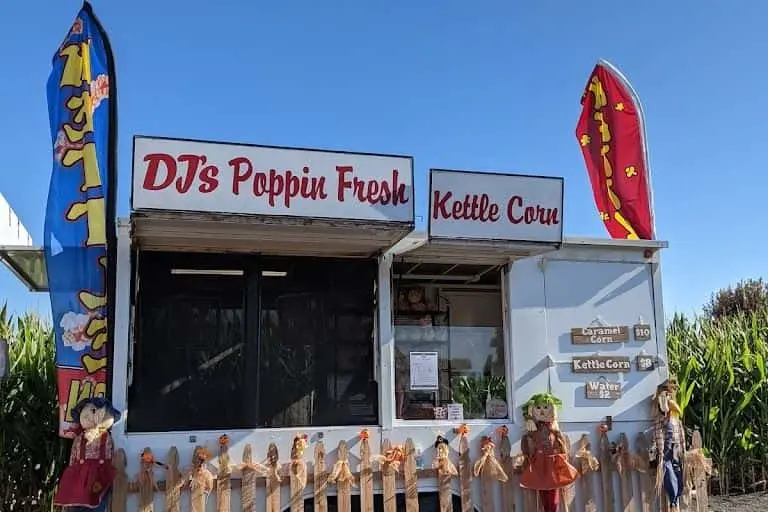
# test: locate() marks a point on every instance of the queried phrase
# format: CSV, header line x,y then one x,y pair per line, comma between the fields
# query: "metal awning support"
x,y
27,264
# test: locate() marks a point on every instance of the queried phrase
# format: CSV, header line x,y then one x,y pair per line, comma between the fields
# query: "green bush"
x,y
32,455
721,367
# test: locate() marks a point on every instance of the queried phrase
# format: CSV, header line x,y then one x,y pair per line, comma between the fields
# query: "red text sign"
x,y
231,178
495,206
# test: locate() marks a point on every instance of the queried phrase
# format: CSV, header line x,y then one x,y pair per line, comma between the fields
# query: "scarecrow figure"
x,y
546,468
668,442
89,476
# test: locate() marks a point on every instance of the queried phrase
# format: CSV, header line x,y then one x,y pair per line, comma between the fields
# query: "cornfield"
x,y
721,368
31,453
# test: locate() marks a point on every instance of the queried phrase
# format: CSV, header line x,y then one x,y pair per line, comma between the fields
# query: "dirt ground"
x,y
755,502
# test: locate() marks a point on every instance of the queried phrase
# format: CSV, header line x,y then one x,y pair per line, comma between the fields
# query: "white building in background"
x,y
17,252
12,231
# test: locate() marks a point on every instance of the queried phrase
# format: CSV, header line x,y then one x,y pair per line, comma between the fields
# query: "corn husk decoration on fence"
x,y
298,469
488,463
223,479
443,463
642,464
341,475
507,462
488,469
173,482
587,464
320,479
622,461
249,471
200,479
366,472
273,479
446,470
146,481
465,469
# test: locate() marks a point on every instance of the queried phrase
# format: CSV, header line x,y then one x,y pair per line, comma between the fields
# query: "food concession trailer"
x,y
278,308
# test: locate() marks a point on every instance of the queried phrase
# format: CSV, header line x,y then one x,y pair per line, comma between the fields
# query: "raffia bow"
x,y
488,457
586,461
392,458
341,472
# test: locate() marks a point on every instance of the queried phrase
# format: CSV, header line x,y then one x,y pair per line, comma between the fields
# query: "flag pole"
x,y
643,134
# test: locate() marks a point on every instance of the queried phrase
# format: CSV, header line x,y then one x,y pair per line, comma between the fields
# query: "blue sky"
x,y
483,85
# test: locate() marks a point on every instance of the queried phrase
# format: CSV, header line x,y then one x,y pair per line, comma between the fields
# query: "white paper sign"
x,y
455,412
424,374
486,206
172,174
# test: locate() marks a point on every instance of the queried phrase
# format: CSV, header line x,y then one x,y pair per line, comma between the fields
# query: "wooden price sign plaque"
x,y
602,390
645,363
642,332
601,364
598,335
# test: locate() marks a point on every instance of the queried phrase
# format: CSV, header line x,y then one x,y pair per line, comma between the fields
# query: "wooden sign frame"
x,y
642,332
601,364
599,334
645,363
611,390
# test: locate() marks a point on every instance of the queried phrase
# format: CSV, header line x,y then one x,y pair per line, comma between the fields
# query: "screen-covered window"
x,y
226,342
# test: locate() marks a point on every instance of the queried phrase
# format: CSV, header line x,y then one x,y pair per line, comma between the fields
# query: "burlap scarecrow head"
x,y
95,413
541,408
664,398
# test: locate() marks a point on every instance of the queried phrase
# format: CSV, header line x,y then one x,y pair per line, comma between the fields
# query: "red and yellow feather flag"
x,y
612,138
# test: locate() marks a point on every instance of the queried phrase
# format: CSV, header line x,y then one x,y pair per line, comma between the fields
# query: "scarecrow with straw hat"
x,y
546,468
668,442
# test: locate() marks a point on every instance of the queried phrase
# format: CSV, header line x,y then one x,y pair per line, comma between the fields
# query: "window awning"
x,y
291,236
417,248
28,264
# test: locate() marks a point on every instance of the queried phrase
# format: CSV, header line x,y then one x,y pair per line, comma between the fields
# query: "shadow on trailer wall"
x,y
427,501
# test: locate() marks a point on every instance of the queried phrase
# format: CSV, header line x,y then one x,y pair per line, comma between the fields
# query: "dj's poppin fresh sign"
x,y
488,206
172,174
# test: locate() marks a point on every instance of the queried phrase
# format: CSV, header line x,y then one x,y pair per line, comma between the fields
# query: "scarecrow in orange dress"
x,y
546,468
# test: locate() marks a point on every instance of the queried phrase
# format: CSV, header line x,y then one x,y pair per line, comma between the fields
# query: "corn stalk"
x,y
31,453
721,368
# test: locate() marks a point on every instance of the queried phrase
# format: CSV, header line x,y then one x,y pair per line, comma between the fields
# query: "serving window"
x,y
450,354
216,336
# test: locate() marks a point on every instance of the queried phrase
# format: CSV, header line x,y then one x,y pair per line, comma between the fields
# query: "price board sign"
x,y
597,335
642,332
645,363
601,364
602,390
